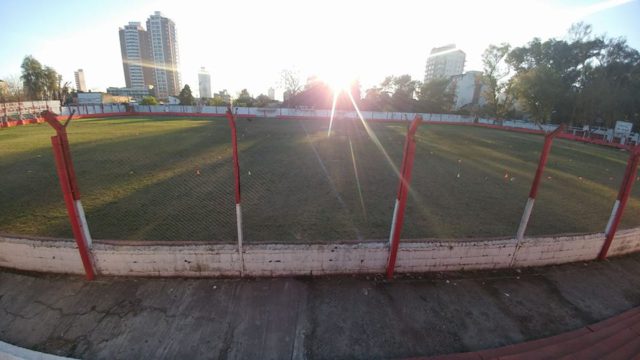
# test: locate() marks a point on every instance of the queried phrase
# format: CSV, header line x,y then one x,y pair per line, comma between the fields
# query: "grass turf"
x,y
171,179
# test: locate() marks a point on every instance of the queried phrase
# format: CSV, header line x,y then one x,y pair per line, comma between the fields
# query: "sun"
x,y
338,84
338,81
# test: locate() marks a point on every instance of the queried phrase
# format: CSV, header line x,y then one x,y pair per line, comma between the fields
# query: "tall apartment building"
x,y
81,86
136,56
444,62
204,83
150,57
164,52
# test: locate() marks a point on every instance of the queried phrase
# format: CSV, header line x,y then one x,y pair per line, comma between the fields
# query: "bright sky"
x,y
245,44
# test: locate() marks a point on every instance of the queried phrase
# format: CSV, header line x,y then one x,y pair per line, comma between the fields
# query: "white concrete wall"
x,y
195,259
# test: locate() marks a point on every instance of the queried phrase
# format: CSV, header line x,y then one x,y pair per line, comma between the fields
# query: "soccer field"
x,y
171,179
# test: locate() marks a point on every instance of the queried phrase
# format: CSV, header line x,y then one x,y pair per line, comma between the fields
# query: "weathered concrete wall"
x,y
195,259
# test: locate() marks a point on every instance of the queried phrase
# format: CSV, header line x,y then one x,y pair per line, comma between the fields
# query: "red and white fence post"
x,y
236,176
403,190
544,155
70,191
621,201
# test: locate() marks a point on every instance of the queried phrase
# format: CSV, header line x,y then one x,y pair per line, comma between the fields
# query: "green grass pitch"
x,y
171,179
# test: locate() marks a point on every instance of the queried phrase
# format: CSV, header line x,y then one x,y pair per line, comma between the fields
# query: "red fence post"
x,y
621,202
544,155
403,190
70,191
236,177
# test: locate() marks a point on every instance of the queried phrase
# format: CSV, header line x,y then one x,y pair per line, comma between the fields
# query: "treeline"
x,y
37,82
580,79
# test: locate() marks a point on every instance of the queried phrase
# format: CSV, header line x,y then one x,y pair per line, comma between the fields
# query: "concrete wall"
x,y
198,259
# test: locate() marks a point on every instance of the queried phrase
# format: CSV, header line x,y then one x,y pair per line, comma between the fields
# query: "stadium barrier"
x,y
163,259
605,137
128,258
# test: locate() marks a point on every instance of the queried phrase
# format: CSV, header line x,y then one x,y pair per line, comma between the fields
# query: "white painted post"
x,y
393,221
84,226
525,218
240,236
616,205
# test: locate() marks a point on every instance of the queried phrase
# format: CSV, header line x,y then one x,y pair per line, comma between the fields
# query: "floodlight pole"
x,y
544,155
70,191
236,177
621,201
403,190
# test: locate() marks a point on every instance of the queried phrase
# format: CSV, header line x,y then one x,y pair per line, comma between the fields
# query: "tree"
x,y
149,100
64,91
40,82
12,90
436,96
395,93
33,78
186,97
539,90
216,101
290,81
263,100
498,101
244,99
51,83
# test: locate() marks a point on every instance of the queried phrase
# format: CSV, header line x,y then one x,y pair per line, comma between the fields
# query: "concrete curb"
x,y
12,352
265,260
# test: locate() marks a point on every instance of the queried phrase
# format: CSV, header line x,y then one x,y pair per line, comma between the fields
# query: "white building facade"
x,y
164,52
204,83
444,62
134,47
80,83
468,89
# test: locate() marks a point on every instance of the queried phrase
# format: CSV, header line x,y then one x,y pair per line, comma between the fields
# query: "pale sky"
x,y
246,44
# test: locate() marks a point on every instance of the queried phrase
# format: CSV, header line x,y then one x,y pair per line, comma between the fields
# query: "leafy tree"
x,y
244,99
186,97
498,100
375,99
51,83
396,93
149,100
216,101
263,100
579,79
539,89
40,82
33,78
436,96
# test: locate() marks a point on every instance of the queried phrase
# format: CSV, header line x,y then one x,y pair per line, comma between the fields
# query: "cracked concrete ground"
x,y
314,318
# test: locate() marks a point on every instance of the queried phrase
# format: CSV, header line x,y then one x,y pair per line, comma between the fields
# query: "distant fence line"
x,y
12,114
600,136
19,110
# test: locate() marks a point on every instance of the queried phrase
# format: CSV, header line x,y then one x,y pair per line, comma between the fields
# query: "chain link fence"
x,y
145,178
155,179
